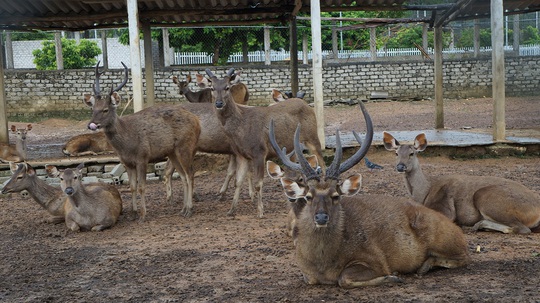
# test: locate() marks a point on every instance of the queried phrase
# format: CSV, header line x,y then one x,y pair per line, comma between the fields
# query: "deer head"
x,y
323,193
21,132
182,85
406,154
220,88
104,106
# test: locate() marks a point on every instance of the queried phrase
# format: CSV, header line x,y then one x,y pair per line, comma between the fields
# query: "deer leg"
x,y
359,275
132,176
55,219
141,188
167,179
231,170
258,185
435,261
183,163
250,182
242,166
491,225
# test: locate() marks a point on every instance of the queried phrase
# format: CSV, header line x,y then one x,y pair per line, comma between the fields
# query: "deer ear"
x,y
29,127
292,189
52,171
420,142
115,99
13,128
89,99
390,143
80,167
14,166
175,79
278,96
351,186
273,170
313,161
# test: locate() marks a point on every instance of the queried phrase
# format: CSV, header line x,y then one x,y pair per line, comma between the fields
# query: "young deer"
x,y
247,129
149,135
483,202
363,240
15,152
94,207
202,96
87,144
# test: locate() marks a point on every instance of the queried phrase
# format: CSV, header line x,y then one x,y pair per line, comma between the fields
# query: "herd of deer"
x,y
339,236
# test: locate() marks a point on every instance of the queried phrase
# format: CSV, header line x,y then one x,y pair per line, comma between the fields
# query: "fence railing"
x,y
283,55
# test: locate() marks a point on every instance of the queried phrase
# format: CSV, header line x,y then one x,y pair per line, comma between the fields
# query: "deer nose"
x,y
219,104
401,167
69,191
321,218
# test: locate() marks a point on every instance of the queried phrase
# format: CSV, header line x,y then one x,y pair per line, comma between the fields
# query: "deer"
x,y
238,89
246,128
279,96
361,240
87,144
202,96
15,152
87,207
149,135
483,202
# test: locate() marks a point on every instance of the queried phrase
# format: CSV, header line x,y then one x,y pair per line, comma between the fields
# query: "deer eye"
x,y
411,154
335,197
61,179
308,197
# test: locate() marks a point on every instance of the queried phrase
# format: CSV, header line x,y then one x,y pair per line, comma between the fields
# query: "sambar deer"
x,y
149,135
15,152
202,96
247,129
356,241
88,207
87,144
237,88
484,202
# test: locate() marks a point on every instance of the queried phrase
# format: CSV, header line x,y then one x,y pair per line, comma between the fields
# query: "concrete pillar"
x,y
267,48
167,54
58,48
438,73
316,42
9,51
497,58
135,51
104,49
148,64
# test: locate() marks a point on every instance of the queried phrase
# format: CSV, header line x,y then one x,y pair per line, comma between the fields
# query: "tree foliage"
x,y
75,55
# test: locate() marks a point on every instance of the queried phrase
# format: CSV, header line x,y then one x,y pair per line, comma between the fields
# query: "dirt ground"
x,y
211,257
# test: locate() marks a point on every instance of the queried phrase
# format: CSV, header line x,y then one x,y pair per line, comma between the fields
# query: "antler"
x,y
119,87
209,73
282,154
97,91
359,155
307,170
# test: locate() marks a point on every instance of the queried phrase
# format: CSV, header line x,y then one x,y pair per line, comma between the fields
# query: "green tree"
x,y
38,35
75,55
530,35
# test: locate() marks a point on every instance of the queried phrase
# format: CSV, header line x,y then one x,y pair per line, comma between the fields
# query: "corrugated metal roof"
x,y
88,14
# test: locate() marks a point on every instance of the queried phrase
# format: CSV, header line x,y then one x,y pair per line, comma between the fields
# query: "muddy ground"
x,y
211,257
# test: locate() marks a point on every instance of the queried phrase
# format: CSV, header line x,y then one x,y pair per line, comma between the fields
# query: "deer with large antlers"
x,y
152,134
363,240
246,128
15,152
484,202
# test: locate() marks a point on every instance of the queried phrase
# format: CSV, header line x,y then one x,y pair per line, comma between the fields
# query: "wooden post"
x,y
135,51
476,39
266,45
104,49
9,51
58,48
316,48
148,64
167,56
305,57
497,58
293,56
438,73
4,135
334,41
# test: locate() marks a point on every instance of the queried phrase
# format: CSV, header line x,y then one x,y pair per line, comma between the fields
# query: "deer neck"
x,y
115,129
20,146
49,197
230,115
417,183
319,243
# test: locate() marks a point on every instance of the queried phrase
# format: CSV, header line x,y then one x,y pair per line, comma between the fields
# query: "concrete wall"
x,y
33,92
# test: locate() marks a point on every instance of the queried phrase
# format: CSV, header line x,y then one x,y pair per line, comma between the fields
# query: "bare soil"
x,y
211,257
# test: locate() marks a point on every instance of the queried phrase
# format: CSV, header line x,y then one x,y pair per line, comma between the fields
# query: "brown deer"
x,y
202,96
279,96
356,241
247,129
483,202
238,89
87,144
149,135
94,207
15,152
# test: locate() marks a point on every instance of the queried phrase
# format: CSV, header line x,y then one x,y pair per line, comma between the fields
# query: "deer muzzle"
x,y
93,126
401,167
219,104
69,191
321,219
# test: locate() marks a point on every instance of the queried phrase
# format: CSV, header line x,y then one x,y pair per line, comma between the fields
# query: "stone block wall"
x,y
31,92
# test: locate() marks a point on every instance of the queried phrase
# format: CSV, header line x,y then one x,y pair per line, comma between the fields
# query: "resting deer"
x,y
15,152
94,207
149,135
363,240
202,96
87,144
246,128
280,96
483,202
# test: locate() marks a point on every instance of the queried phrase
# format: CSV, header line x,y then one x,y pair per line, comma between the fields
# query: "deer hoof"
x,y
186,212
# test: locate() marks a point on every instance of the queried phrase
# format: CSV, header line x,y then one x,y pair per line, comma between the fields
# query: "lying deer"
x,y
483,202
87,144
363,240
15,152
202,96
94,207
246,128
149,135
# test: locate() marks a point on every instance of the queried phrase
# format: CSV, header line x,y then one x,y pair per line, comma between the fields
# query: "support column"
x,y
476,38
516,36
497,58
9,51
293,50
167,56
438,73
135,51
373,43
148,64
266,45
4,135
104,49
58,48
316,42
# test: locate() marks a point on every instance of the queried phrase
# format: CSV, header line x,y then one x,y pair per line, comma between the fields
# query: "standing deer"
x,y
87,144
146,136
15,152
238,89
202,96
356,241
246,128
94,207
483,202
